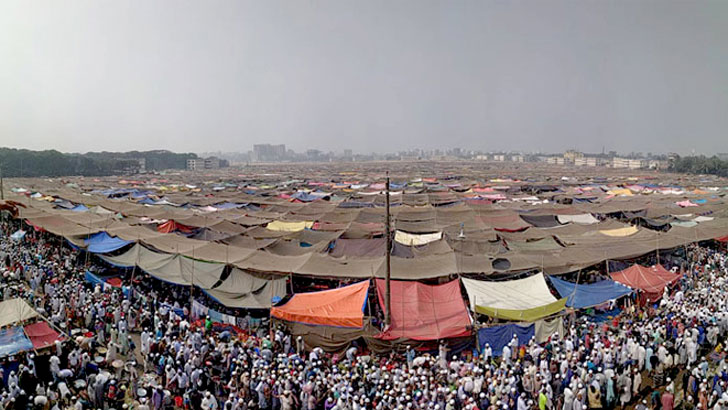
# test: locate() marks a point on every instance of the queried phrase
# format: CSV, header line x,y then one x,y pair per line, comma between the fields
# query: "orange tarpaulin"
x,y
425,312
343,307
651,280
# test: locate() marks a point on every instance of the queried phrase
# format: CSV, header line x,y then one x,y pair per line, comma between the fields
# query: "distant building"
x,y
517,158
658,164
629,163
269,152
571,156
195,164
555,160
212,163
499,157
589,162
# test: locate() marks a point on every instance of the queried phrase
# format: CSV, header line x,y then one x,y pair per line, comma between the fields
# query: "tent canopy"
x,y
650,280
102,242
523,315
425,312
41,335
525,299
519,294
13,340
14,311
591,294
342,307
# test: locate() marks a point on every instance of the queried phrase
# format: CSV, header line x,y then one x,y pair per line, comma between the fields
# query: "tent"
x,y
650,280
425,312
590,294
13,340
499,336
525,299
41,335
14,311
342,307
243,290
102,242
581,219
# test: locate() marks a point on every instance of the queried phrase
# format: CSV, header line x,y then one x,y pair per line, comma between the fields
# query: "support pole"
x,y
388,292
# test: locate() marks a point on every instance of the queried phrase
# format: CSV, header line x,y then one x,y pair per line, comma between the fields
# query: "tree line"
x,y
700,165
52,163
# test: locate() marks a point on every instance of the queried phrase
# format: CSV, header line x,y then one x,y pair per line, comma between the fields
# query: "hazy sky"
x,y
367,75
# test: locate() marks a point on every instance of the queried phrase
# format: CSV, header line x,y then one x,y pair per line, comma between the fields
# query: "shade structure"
x,y
589,294
526,299
425,312
41,335
15,310
342,307
722,239
102,242
523,315
651,280
13,340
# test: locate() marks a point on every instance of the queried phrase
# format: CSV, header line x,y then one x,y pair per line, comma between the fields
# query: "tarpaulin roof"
x,y
590,294
103,243
425,312
651,280
13,340
243,290
583,219
41,335
523,315
342,307
525,299
516,294
15,310
541,221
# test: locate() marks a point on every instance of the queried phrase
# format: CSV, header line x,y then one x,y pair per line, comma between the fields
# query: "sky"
x,y
368,75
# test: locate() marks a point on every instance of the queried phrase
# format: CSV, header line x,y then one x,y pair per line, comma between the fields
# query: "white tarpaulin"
x,y
412,239
582,219
519,294
14,311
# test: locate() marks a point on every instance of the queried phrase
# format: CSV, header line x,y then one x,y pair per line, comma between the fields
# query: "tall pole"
x,y
2,188
388,293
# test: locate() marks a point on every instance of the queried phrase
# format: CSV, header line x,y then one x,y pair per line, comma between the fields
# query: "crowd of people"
x,y
141,350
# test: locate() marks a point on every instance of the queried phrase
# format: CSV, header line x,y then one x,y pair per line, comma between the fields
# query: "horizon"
x,y
368,76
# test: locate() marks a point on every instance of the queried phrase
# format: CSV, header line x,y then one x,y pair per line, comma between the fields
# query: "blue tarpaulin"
x,y
103,243
13,340
499,336
93,279
591,294
79,208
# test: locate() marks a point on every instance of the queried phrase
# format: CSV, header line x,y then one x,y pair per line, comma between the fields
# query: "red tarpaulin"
x,y
651,280
424,312
343,307
41,335
722,239
171,226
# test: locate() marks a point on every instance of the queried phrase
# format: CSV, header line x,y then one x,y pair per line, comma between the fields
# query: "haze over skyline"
x,y
649,76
